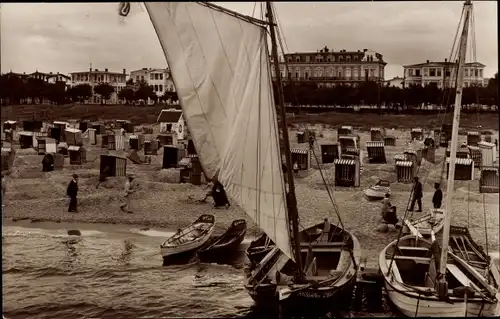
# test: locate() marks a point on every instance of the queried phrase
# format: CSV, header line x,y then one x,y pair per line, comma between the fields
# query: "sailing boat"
x,y
220,66
423,279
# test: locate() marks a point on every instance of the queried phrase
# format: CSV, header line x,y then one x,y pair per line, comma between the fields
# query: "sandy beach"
x,y
158,202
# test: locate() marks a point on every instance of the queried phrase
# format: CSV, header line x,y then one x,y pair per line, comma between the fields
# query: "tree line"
x,y
373,94
16,90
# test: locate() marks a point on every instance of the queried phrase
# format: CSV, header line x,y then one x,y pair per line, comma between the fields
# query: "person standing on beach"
x,y
128,190
417,195
72,192
438,196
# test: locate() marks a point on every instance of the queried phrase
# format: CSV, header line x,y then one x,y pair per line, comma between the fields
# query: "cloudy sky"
x,y
67,37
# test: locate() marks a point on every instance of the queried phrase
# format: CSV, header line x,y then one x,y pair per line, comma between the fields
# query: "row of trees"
x,y
15,90
370,93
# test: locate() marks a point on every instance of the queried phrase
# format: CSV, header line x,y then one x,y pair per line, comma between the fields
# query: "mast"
x,y
293,215
453,147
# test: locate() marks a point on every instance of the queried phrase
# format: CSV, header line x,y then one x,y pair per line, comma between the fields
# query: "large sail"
x,y
220,67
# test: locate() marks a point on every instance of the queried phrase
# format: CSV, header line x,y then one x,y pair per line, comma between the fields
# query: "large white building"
x,y
442,73
159,79
328,68
95,77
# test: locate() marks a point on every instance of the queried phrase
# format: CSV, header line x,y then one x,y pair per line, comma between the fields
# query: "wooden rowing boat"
x,y
189,238
330,257
226,243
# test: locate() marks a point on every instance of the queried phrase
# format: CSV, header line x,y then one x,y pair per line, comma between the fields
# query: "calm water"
x,y
118,274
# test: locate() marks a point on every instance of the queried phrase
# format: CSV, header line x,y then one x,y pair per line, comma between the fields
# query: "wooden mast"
x,y
443,286
293,215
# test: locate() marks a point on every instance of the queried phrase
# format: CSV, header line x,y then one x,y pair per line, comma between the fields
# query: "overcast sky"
x,y
67,37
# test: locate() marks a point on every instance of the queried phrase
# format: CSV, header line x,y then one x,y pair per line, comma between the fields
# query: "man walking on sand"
x,y
438,196
128,190
417,195
72,192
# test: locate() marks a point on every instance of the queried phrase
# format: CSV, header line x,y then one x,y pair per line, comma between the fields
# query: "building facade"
x,y
442,73
95,77
327,68
159,79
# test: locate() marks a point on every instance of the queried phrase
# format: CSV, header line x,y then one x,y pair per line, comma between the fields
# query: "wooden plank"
x,y
323,244
322,249
420,260
413,248
474,273
413,230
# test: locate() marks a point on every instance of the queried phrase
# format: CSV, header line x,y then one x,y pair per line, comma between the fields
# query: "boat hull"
x,y
422,301
169,251
312,301
225,250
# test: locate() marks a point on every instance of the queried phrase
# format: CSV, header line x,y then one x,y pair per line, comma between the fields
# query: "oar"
x,y
285,293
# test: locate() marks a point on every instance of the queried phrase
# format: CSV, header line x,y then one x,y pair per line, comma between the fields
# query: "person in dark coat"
x,y
219,195
438,196
72,192
417,195
48,163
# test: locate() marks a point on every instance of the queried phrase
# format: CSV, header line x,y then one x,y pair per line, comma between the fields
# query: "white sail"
x,y
220,67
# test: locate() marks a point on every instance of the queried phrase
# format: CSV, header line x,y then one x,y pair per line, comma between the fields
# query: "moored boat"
x,y
330,255
225,244
427,224
188,239
378,191
411,280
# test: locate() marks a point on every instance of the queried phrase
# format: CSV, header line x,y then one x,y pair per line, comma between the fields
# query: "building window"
x,y
320,73
137,78
142,77
476,72
160,87
426,72
348,58
340,73
432,72
297,59
447,73
306,75
161,76
308,59
297,74
439,72
481,73
466,72
315,73
289,59
289,75
417,72
151,76
341,58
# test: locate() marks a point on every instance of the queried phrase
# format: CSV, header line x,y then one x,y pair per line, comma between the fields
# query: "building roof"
x,y
96,71
169,116
151,70
444,64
